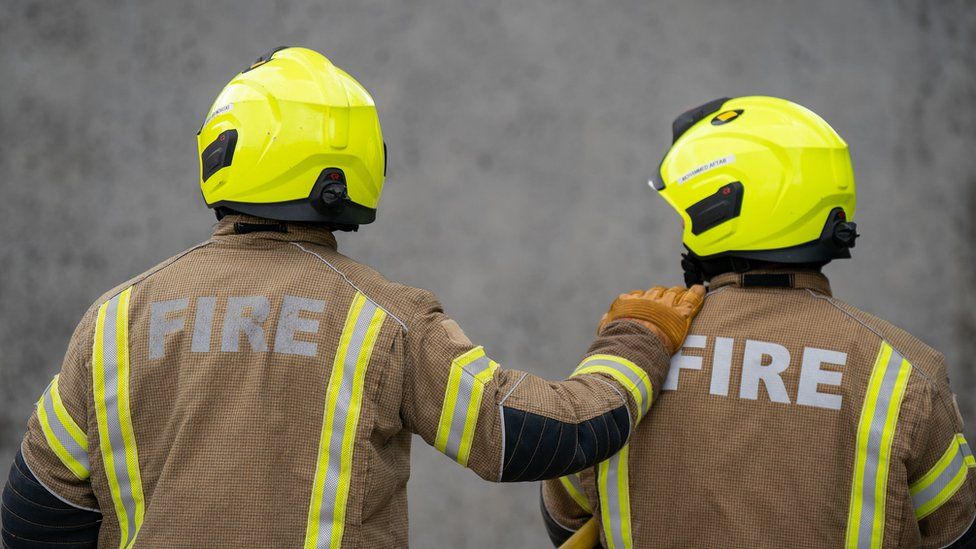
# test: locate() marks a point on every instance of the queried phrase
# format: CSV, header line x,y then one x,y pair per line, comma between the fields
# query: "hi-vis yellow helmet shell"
x,y
293,138
758,179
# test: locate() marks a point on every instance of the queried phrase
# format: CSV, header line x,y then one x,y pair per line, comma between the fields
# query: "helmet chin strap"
x,y
692,268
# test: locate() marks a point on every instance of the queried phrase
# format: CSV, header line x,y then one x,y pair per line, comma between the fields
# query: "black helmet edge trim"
x,y
301,211
825,248
265,57
689,118
682,124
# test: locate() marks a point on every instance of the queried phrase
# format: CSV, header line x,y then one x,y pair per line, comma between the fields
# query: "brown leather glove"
x,y
666,312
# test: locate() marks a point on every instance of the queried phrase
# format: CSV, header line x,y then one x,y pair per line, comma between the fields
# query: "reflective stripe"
x,y
614,487
942,480
628,374
967,453
875,432
110,373
573,487
343,403
462,403
63,435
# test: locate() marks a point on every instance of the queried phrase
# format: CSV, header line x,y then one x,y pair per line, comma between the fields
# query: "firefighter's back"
x,y
251,399
790,420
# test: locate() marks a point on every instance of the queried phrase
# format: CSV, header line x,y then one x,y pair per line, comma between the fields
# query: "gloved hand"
x,y
666,312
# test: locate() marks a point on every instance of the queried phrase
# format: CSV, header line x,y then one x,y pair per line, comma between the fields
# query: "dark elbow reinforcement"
x,y
34,518
539,448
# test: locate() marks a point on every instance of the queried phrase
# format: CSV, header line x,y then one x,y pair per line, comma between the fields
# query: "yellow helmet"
x,y
758,179
293,138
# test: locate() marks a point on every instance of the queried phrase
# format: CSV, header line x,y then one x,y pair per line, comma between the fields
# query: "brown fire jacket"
x,y
260,390
789,419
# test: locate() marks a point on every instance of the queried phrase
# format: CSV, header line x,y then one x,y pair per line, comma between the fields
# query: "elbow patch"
x,y
539,448
34,517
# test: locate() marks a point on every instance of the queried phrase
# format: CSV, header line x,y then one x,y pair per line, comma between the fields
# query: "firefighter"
x,y
261,389
789,418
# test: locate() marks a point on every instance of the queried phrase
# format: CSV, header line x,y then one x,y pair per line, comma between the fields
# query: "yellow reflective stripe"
x,y
613,486
637,377
63,435
74,431
625,372
332,395
933,474
349,436
967,452
942,481
573,487
344,395
125,415
110,383
863,432
876,429
474,410
101,413
450,396
620,378
462,403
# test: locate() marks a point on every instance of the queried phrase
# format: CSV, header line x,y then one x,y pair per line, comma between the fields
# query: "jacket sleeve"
x,y
34,518
508,425
565,505
941,478
56,446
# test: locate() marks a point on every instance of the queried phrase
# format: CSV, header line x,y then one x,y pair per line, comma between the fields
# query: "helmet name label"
x,y
730,159
218,111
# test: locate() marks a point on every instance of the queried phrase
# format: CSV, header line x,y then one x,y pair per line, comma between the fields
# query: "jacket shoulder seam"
x,y
833,303
350,282
148,274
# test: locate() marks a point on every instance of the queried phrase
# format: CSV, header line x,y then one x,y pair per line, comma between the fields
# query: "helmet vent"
x,y
218,154
714,210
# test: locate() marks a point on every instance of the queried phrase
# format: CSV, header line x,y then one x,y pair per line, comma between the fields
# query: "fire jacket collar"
x,y
773,278
255,228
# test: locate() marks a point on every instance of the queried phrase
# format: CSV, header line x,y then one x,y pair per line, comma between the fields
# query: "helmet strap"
x,y
698,270
692,267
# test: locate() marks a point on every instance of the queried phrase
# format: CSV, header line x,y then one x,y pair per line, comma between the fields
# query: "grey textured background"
x,y
521,136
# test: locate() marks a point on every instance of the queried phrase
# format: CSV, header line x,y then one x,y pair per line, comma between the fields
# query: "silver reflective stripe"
x,y
964,446
638,381
113,417
615,512
874,449
575,481
61,432
940,483
355,349
462,403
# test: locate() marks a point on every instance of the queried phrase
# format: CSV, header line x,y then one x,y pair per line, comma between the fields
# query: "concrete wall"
x,y
521,137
